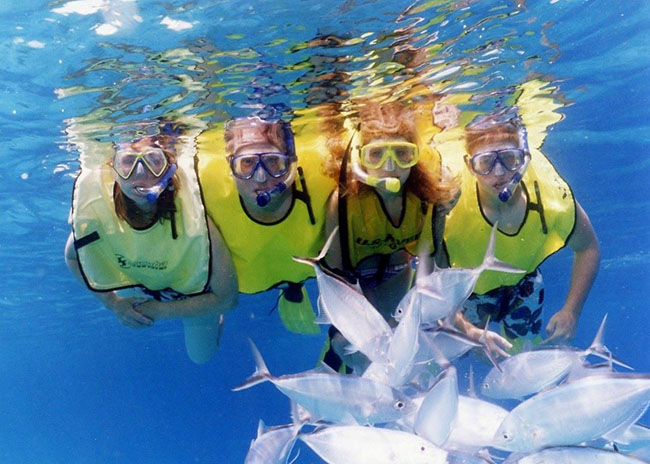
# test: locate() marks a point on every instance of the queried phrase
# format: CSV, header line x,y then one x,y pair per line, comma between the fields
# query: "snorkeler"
x,y
141,241
388,208
269,204
505,183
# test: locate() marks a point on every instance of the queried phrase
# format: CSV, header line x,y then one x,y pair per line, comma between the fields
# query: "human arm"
x,y
586,260
495,342
124,308
221,297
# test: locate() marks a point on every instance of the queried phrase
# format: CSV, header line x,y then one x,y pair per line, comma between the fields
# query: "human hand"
x,y
561,328
126,312
497,345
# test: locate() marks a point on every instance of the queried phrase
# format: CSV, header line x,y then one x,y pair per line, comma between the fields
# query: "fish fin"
x,y
350,349
323,252
261,373
323,368
490,261
618,432
261,427
322,313
295,458
300,415
471,389
486,350
485,455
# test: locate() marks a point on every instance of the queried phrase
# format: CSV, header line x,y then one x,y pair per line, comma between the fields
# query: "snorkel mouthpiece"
x,y
265,197
506,193
152,193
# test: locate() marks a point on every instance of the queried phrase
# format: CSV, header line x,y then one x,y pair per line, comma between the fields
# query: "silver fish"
x,y
529,372
349,311
369,445
444,291
475,425
333,397
394,371
575,412
574,455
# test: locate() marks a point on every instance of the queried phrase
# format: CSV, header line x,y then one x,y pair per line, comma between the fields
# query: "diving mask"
x,y
125,161
374,155
276,164
510,158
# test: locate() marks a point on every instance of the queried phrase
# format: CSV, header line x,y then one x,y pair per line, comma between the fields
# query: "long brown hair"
x,y
125,208
394,119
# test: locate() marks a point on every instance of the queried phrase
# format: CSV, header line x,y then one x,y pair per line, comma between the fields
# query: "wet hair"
x,y
242,132
126,209
491,129
396,119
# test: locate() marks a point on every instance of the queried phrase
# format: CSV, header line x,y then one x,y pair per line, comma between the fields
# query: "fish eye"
x,y
422,448
400,404
486,386
506,436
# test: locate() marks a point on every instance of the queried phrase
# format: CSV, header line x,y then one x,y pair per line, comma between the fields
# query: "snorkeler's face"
x,y
147,163
261,180
389,168
503,169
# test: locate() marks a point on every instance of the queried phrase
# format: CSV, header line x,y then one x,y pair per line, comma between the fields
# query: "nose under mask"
x,y
260,175
389,165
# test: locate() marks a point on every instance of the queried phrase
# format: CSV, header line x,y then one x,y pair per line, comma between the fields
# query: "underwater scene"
x,y
343,232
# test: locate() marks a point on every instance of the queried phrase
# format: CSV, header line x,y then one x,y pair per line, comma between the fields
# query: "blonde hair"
x,y
396,119
491,130
252,130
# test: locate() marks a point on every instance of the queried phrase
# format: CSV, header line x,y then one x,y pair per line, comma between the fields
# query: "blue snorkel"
x,y
506,192
153,192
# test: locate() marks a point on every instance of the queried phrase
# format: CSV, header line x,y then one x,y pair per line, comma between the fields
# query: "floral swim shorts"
x,y
518,308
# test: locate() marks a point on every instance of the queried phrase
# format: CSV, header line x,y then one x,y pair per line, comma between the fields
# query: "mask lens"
x,y
405,155
482,163
373,156
124,162
512,159
276,164
156,161
243,166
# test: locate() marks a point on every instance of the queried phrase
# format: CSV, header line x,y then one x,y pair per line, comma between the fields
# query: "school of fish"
x,y
406,407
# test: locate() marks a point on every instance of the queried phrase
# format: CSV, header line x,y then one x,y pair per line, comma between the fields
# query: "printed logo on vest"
x,y
389,240
125,263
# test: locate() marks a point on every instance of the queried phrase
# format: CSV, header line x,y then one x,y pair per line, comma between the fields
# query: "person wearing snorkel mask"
x,y
141,241
389,207
506,184
269,205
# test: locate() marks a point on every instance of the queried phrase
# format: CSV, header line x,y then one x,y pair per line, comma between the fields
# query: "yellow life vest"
x,y
371,232
262,253
112,255
547,225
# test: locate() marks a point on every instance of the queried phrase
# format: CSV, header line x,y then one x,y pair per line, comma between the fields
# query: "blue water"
x,y
75,385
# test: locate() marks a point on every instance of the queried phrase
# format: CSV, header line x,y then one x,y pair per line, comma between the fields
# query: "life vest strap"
x,y
86,240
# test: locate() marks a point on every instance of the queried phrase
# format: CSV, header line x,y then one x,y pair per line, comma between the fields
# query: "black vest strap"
x,y
303,195
86,240
539,207
344,232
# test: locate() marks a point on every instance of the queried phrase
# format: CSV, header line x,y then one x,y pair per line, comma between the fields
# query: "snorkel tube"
x,y
266,196
152,193
390,184
506,192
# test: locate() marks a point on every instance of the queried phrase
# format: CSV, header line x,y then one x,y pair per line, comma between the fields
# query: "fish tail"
x,y
261,373
598,348
323,252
